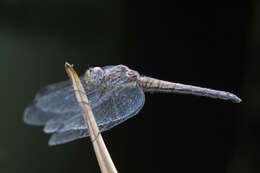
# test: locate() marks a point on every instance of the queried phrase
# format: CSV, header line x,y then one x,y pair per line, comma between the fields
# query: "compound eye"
x,y
94,76
97,71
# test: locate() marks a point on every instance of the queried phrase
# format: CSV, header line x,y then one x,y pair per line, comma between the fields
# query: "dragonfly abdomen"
x,y
155,85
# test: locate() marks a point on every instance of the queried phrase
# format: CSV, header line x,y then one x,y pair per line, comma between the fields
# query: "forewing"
x,y
55,99
72,119
122,104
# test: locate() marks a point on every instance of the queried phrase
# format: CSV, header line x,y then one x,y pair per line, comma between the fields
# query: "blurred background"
x,y
214,45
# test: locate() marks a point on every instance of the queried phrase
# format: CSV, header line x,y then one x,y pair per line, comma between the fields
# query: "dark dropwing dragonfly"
x,y
115,93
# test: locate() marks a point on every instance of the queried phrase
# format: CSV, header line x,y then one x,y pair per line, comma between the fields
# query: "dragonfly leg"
x,y
87,103
81,92
95,137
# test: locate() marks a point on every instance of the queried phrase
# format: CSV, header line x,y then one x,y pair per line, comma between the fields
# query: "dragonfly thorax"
x,y
120,75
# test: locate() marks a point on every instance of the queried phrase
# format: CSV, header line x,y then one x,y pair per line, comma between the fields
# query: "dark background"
x,y
213,45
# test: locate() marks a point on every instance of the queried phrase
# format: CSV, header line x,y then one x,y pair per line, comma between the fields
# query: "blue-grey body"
x,y
115,93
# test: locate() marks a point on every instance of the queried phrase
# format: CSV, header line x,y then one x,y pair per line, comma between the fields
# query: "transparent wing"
x,y
73,119
112,106
55,99
115,110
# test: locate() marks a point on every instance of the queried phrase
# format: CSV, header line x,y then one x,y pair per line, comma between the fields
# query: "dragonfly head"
x,y
94,76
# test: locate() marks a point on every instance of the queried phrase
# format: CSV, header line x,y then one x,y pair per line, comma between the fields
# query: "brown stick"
x,y
104,160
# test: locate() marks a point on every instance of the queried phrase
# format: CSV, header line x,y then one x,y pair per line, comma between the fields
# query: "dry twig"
x,y
104,160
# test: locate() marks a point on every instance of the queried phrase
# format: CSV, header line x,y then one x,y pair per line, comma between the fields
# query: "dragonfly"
x,y
115,93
